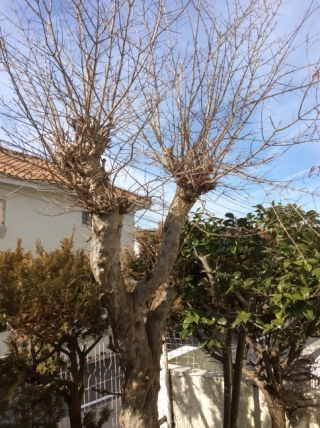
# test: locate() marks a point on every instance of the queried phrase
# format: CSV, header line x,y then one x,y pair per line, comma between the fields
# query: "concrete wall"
x,y
3,346
198,401
38,213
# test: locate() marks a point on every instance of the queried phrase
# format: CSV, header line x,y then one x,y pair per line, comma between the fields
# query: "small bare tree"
x,y
185,87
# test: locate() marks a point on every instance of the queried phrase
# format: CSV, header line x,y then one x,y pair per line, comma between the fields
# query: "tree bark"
x,y
140,398
237,376
76,389
276,410
227,378
141,368
137,318
74,409
272,394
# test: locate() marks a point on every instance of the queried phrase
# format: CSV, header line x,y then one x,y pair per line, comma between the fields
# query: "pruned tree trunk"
x,y
137,318
141,367
141,386
114,80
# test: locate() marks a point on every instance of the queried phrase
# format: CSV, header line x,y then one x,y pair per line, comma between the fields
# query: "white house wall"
x,y
34,213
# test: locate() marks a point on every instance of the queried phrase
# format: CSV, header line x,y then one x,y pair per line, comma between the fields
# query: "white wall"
x,y
198,402
3,346
36,213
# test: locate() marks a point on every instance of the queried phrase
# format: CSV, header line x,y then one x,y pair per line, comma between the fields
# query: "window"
x,y
86,220
2,211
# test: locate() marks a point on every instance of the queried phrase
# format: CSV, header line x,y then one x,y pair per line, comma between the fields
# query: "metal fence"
x,y
103,372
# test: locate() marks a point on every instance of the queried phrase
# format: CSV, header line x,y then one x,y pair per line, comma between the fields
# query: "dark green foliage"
x,y
148,242
256,278
24,403
260,271
49,303
257,275
90,418
52,295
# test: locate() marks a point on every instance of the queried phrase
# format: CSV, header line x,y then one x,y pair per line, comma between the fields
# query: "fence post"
x,y
170,420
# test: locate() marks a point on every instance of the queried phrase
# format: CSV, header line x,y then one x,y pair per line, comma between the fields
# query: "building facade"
x,y
34,207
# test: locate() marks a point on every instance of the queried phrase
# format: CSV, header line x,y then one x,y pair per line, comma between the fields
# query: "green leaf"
x,y
229,215
237,275
278,322
248,282
184,333
309,267
308,313
267,328
191,318
208,321
305,291
316,273
294,297
222,321
243,317
279,315
211,343
276,298
287,263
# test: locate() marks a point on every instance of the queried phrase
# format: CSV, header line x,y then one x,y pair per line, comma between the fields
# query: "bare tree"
x,y
185,87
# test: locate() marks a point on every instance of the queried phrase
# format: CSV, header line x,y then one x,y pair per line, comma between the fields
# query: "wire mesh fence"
x,y
103,372
186,353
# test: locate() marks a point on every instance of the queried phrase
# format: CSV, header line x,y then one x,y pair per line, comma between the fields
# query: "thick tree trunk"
x,y
276,409
140,400
140,361
137,318
277,414
272,395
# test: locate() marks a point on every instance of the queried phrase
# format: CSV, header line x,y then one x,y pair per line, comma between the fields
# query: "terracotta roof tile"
x,y
26,167
32,168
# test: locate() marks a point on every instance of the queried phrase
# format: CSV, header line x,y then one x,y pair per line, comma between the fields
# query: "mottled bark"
x,y
137,318
276,409
273,396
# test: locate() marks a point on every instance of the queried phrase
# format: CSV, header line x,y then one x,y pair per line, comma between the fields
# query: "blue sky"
x,y
291,168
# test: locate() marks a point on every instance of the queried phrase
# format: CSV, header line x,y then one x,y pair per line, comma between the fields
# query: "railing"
x,y
103,372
